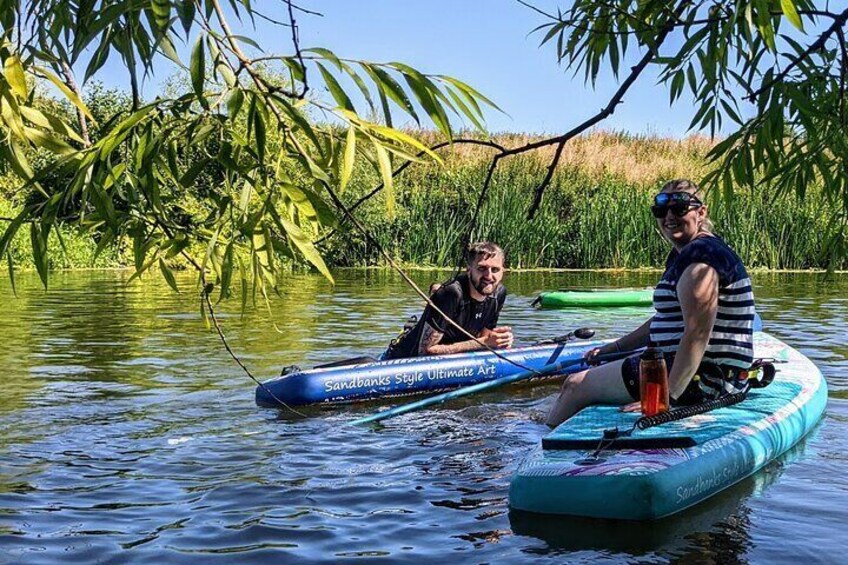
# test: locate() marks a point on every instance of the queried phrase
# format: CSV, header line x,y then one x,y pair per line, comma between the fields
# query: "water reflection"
x,y
717,530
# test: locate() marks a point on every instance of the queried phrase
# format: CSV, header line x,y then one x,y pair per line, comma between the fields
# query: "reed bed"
x,y
595,213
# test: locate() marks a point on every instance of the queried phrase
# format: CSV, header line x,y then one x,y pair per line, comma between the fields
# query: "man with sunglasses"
x,y
703,322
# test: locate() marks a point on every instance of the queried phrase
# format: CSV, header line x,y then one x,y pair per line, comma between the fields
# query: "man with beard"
x,y
473,300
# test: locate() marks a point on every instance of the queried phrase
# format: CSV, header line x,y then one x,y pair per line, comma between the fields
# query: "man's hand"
x,y
499,338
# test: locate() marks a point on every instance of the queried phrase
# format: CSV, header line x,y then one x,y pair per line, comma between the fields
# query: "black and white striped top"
x,y
731,340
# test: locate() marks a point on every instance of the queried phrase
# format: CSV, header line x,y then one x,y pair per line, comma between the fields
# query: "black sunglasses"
x,y
678,202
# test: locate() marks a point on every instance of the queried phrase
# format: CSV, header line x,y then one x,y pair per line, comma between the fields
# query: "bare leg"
x,y
599,385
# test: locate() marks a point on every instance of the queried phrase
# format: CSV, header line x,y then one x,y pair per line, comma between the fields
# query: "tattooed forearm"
x,y
429,344
430,337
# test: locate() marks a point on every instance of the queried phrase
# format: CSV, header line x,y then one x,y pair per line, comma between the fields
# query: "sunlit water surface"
x,y
128,435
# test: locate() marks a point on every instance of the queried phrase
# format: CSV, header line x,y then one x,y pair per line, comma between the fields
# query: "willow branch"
x,y
68,74
295,33
605,112
246,63
838,24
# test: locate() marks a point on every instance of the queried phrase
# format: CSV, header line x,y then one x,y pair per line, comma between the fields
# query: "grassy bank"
x,y
594,214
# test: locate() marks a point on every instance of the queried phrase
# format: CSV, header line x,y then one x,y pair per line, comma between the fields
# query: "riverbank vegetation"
x,y
253,159
594,215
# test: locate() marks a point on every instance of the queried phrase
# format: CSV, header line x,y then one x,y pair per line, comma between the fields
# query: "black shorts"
x,y
630,375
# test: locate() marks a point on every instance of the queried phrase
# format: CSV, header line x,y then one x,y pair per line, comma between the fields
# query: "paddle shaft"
x,y
571,363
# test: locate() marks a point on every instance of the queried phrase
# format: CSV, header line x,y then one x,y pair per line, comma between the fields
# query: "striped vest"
x,y
731,339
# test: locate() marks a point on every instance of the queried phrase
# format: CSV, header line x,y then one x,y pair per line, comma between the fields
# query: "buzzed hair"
x,y
483,250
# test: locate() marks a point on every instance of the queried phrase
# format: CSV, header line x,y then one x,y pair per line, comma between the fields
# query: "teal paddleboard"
x,y
596,298
665,469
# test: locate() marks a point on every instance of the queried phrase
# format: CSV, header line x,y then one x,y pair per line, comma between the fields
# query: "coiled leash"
x,y
753,381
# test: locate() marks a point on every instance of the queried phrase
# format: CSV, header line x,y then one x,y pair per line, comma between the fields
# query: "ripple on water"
x,y
127,434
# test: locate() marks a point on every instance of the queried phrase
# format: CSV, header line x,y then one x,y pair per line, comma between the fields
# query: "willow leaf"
x,y
14,73
198,69
301,241
69,94
791,13
385,166
168,275
349,158
12,273
338,93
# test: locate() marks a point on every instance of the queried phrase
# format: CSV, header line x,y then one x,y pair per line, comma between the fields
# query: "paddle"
x,y
579,333
569,362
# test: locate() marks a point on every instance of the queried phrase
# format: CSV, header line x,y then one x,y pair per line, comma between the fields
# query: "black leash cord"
x,y
645,422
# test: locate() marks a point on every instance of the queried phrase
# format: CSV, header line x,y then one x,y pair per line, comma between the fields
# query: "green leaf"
x,y
227,271
425,92
11,230
244,200
339,95
191,174
69,94
791,13
49,122
47,141
15,76
386,172
349,158
168,275
389,86
466,111
234,103
327,54
259,132
472,93
185,10
298,73
161,13
98,59
198,69
38,239
301,241
12,273
361,85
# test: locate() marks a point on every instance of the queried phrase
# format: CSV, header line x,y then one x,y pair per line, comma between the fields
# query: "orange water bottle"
x,y
653,382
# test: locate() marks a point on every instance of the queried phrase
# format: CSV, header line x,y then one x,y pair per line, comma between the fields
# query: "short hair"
x,y
681,185
483,250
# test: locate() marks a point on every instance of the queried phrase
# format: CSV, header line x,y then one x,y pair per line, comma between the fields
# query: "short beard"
x,y
479,286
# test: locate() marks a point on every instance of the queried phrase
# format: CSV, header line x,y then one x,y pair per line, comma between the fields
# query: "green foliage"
x,y
772,73
232,165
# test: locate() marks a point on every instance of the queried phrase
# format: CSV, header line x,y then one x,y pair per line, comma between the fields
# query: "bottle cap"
x,y
652,354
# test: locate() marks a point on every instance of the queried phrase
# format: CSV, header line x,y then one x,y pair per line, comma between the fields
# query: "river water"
x,y
128,435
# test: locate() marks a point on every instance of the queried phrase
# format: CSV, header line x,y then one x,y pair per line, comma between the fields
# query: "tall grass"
x,y
595,214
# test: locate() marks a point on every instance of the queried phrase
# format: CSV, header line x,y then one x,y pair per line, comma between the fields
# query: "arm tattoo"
x,y
429,337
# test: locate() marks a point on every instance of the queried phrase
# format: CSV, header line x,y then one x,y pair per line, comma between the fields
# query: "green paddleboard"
x,y
596,298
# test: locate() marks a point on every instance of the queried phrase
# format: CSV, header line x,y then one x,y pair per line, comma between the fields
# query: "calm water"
x,y
127,435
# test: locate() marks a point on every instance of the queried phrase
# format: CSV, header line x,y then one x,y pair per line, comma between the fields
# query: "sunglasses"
x,y
678,202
